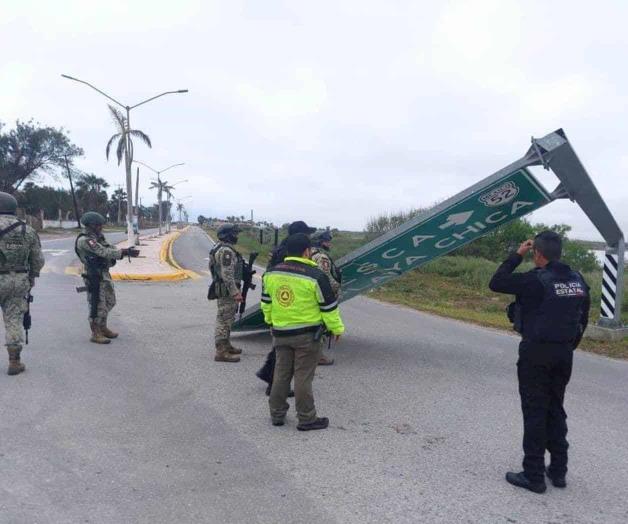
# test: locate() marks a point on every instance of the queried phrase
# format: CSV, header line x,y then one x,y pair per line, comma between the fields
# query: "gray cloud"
x,y
329,111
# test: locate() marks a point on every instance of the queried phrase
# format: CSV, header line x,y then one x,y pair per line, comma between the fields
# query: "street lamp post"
x,y
168,189
160,185
127,153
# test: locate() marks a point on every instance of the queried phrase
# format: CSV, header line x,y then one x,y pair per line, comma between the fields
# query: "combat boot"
x,y
15,365
97,335
223,354
107,332
233,350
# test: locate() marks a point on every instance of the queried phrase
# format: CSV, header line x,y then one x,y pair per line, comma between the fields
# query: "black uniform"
x,y
267,371
553,310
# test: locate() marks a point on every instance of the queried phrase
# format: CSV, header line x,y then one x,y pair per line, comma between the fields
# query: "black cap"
x,y
296,244
300,227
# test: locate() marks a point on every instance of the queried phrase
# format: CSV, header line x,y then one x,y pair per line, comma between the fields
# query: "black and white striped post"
x,y
612,287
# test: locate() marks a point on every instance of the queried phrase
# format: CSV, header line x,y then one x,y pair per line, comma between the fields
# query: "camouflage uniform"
x,y
228,267
327,266
89,243
21,260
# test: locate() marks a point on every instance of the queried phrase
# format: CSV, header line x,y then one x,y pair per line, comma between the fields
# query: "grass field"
x,y
454,287
457,287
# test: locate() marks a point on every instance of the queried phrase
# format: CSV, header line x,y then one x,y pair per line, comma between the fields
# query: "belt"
x,y
7,271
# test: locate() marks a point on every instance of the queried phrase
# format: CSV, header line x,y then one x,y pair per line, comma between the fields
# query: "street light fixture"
x,y
127,154
161,186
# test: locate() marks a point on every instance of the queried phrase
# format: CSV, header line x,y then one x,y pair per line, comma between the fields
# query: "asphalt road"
x,y
424,421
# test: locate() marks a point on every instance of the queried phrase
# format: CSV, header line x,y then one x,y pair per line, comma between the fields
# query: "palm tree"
x,y
180,209
161,186
125,149
124,137
90,191
87,183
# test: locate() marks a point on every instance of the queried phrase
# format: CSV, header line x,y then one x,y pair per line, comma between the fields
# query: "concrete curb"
x,y
166,256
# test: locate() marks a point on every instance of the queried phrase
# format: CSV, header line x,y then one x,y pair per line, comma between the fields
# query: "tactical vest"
x,y
220,287
14,249
335,272
92,262
558,317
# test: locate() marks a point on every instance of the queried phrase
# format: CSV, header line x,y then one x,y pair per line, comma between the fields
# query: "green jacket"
x,y
297,298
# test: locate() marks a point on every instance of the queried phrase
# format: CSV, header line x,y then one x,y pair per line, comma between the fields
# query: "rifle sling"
x,y
13,226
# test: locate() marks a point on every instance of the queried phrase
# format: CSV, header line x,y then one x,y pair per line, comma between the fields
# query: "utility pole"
x,y
136,213
128,158
76,213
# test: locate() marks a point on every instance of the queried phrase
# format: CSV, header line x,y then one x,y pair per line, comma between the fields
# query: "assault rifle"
x,y
247,281
27,321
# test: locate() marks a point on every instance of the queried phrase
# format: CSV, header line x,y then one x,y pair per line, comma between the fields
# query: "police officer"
x,y
266,372
21,260
227,268
98,256
551,312
299,304
321,245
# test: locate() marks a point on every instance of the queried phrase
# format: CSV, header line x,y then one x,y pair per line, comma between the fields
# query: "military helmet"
x,y
91,218
8,204
228,232
323,236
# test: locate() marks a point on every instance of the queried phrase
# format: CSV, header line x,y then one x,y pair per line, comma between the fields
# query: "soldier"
x,y
97,256
227,269
321,244
21,261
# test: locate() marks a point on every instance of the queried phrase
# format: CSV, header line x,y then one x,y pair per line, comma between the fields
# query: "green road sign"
x,y
454,223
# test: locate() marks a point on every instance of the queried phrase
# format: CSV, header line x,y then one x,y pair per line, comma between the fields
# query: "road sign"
x,y
454,223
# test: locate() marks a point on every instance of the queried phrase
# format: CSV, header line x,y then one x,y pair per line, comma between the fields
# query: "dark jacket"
x,y
530,291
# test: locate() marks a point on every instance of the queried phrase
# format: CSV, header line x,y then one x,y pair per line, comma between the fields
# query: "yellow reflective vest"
x,y
297,298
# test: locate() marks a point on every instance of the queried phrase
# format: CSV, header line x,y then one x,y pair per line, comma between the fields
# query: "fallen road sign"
x,y
484,207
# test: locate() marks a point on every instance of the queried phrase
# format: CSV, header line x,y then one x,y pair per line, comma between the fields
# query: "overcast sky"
x,y
328,111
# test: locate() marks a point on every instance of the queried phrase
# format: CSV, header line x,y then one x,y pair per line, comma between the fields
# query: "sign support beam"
x,y
556,153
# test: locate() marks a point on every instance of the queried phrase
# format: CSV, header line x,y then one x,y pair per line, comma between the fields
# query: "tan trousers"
x,y
297,356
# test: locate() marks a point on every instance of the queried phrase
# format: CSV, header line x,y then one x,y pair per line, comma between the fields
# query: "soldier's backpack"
x,y
3,257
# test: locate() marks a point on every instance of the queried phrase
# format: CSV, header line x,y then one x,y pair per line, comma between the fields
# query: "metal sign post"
x,y
555,152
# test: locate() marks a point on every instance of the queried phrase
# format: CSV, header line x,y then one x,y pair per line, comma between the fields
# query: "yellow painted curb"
x,y
165,255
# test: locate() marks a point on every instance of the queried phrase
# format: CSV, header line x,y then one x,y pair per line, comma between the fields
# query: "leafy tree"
x,y
91,194
121,136
30,150
201,220
50,200
117,205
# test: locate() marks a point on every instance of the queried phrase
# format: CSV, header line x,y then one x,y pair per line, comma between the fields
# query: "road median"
x,y
156,262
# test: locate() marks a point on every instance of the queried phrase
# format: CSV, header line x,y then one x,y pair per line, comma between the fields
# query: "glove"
x,y
130,252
